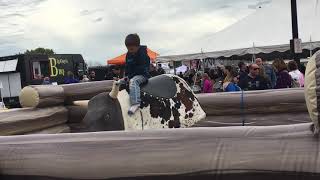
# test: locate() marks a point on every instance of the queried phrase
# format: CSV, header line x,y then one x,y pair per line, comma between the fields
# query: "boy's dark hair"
x,y
132,40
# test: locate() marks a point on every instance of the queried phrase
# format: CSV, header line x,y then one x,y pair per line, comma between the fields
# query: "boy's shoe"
x,y
133,109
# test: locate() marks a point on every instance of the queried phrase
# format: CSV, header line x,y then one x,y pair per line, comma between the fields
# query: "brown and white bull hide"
x,y
182,110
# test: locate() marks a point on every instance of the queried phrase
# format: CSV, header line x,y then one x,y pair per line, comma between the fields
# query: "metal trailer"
x,y
22,70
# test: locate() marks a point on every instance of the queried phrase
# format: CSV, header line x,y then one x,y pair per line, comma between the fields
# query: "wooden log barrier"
x,y
85,91
276,152
64,128
48,96
41,96
261,108
277,101
77,111
22,121
270,119
255,102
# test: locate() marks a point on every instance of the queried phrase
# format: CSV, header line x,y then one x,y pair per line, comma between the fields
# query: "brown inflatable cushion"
x,y
312,89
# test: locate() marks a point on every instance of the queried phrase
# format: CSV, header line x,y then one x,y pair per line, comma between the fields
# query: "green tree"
x,y
40,50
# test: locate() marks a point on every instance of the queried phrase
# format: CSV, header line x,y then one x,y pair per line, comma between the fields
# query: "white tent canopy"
x,y
237,52
268,26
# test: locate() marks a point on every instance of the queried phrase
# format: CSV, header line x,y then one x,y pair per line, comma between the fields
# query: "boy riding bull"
x,y
136,70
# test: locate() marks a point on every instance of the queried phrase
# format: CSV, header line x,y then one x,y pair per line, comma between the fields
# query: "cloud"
x,y
98,19
225,6
90,12
259,4
13,15
97,28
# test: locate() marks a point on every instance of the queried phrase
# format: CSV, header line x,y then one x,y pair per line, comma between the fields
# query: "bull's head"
x,y
104,112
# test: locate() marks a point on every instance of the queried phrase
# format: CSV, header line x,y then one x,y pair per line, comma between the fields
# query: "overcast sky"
x,y
97,28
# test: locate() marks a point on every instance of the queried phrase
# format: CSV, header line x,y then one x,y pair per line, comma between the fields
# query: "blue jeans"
x,y
134,87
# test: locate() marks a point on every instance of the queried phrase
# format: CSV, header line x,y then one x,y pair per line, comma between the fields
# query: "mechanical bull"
x,y
167,102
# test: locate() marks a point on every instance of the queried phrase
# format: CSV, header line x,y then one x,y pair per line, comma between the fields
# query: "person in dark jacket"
x,y
46,81
160,69
269,70
136,69
70,79
284,79
92,76
254,81
265,77
153,72
114,74
243,75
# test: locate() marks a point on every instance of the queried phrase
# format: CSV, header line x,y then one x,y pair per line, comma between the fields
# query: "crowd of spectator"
x,y
256,76
71,78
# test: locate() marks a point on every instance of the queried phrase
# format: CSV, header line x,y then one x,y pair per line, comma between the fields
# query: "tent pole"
x,y
253,54
295,30
174,68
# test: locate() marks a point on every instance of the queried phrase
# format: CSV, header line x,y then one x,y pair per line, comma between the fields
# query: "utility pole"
x,y
295,42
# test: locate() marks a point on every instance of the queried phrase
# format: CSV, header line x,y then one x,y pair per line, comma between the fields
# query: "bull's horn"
x,y
115,90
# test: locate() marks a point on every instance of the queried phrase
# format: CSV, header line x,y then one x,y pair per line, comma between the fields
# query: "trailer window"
x,y
40,69
9,65
80,69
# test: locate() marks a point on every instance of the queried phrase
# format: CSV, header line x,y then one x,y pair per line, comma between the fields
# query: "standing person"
x,y
114,74
243,75
269,70
160,69
219,78
211,74
296,75
221,72
189,76
136,69
70,79
265,77
259,62
284,79
197,79
254,80
181,75
92,76
46,81
229,84
196,86
153,71
207,84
